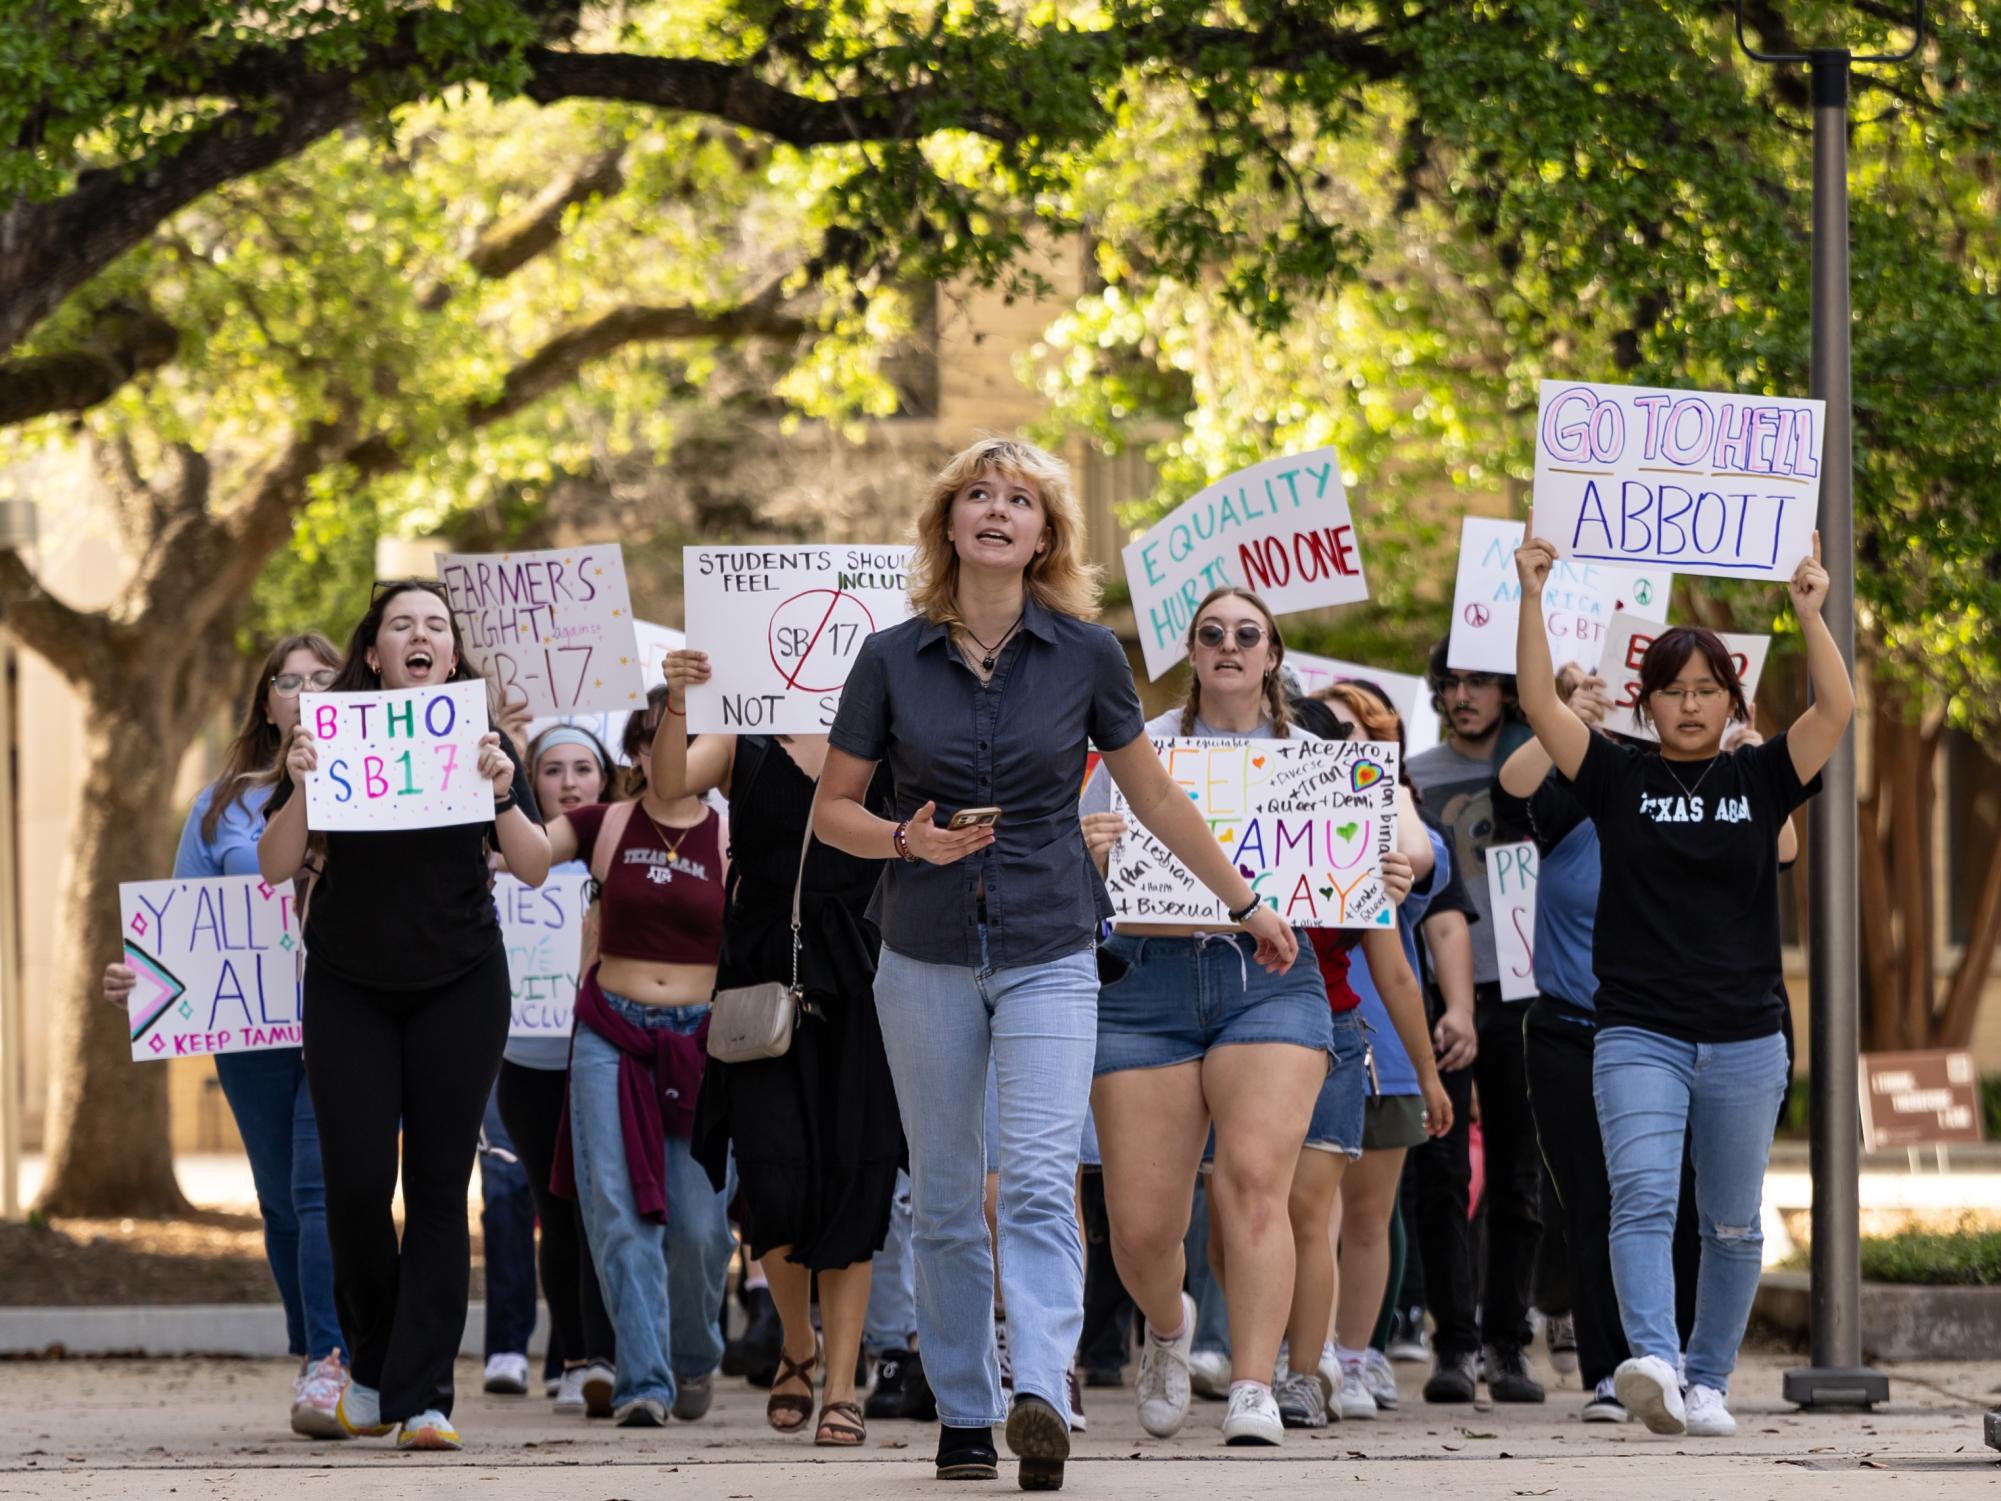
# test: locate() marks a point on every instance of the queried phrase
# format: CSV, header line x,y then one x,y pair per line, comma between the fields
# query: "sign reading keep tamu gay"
x,y
1306,822
405,758
217,966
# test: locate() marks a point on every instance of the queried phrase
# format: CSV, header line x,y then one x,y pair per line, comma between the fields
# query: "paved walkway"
x,y
99,1430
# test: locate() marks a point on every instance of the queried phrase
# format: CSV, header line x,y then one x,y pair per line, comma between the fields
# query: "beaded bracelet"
x,y
900,838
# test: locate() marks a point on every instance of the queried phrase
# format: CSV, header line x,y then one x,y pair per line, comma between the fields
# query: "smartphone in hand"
x,y
975,818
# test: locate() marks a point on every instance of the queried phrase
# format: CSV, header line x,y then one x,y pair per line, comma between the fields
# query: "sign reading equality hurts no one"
x,y
403,758
552,628
1626,643
1306,822
217,966
1919,1099
1280,527
782,627
1698,481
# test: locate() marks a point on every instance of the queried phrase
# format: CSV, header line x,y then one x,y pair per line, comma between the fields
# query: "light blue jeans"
x,y
1039,1024
891,1322
1650,1090
663,1284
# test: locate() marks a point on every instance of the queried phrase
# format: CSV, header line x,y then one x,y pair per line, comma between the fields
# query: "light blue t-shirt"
x,y
233,851
1394,1070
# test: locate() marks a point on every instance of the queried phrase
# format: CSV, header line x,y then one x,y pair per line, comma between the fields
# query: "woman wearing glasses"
x,y
266,1090
405,1006
1690,1000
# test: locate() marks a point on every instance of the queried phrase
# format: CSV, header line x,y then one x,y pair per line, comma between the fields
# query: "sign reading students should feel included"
x,y
1698,481
782,627
552,629
1306,822
217,966
1280,527
398,758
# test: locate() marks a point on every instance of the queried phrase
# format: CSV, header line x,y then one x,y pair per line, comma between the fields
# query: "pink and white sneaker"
x,y
316,1399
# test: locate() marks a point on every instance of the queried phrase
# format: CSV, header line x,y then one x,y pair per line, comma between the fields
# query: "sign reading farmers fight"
x,y
543,927
1697,481
1307,823
1280,527
1579,599
552,629
654,642
1411,695
1626,643
217,964
782,626
405,758
1511,884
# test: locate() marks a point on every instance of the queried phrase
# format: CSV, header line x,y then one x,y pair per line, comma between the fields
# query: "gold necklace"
x,y
673,849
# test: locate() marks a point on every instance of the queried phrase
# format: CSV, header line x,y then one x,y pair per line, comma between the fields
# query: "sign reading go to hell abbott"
x,y
553,629
405,758
1307,823
217,961
1698,481
1280,527
1511,885
782,626
1578,600
543,927
1626,643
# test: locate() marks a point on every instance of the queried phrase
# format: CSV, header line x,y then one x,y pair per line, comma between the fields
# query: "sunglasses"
x,y
403,586
1212,635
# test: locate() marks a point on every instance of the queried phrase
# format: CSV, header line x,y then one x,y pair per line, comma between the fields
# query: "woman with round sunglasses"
x,y
266,1090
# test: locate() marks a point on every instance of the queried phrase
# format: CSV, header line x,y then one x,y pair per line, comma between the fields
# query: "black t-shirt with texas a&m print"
x,y
1687,936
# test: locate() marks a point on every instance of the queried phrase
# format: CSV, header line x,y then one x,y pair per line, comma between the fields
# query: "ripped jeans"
x,y
1650,1090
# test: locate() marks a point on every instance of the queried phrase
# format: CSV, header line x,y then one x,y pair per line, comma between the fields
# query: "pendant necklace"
x,y
1686,790
673,849
987,661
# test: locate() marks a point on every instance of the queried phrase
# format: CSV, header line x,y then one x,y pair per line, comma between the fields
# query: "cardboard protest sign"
x,y
1411,694
1698,481
1626,643
1511,885
782,626
552,629
1579,599
1280,527
654,642
543,927
405,758
217,961
1307,823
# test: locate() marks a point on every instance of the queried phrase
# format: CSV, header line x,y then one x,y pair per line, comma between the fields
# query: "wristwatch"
x,y
1238,915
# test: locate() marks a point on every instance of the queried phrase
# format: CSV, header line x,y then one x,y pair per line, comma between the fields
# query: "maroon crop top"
x,y
656,909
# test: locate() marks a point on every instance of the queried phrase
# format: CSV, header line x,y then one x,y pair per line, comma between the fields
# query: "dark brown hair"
x,y
356,676
1438,676
1670,652
1276,703
255,749
639,730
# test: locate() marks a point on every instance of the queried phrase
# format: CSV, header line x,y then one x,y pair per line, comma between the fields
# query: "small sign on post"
x,y
1921,1099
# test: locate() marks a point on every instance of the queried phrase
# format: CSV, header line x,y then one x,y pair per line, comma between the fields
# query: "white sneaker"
x,y
1353,1398
507,1375
1161,1389
1380,1379
430,1429
600,1382
1707,1417
1253,1417
1330,1377
1648,1387
1209,1374
570,1390
316,1400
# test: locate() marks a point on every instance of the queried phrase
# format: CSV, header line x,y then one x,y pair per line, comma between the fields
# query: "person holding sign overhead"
x,y
984,704
1689,999
405,1008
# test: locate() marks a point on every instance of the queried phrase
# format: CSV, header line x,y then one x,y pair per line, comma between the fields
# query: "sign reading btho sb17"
x,y
1306,822
217,966
551,629
782,627
405,758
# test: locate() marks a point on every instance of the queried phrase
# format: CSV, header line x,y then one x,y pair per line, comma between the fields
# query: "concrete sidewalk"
x,y
113,1430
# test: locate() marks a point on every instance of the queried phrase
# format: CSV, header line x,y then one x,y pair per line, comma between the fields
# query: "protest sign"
x,y
1307,823
404,758
654,642
782,626
1280,527
552,629
1511,886
1697,481
1579,599
1411,695
1626,643
543,928
217,961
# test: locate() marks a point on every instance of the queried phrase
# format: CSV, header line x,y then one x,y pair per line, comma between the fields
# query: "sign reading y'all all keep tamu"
x,y
217,966
1306,822
551,629
782,627
1698,481
1280,527
1511,885
398,758
1626,643
1578,601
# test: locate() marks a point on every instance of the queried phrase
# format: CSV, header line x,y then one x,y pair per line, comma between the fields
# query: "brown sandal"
x,y
795,1410
841,1426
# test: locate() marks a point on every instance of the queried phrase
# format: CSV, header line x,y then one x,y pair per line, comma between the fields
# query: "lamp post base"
x,y
1845,1387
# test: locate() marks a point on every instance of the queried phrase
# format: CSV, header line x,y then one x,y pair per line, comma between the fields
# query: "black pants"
x,y
531,1105
1514,1173
1442,1194
1107,1341
420,1061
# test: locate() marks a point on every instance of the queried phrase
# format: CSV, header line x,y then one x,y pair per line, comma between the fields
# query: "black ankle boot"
x,y
967,1454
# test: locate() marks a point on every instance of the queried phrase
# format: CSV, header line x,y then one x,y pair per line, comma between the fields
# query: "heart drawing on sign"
x,y
1327,893
1247,873
1223,836
1366,774
1347,830
1258,761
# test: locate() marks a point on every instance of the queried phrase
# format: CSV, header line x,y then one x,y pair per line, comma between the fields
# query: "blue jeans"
x,y
1650,1090
1039,1024
267,1094
507,1225
663,1284
892,1291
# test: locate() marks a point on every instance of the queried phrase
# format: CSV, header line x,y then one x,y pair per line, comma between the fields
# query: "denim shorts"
x,y
1338,1113
1180,997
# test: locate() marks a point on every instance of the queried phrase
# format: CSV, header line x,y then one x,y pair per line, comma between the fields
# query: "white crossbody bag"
x,y
748,1022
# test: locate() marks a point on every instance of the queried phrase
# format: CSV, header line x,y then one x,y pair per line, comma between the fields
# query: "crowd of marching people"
x,y
1017,1148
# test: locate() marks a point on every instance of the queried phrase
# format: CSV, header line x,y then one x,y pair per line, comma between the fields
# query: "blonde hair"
x,y
1058,578
1277,705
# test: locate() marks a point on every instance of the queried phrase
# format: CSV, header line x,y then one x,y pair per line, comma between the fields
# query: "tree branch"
x,y
516,240
123,342
66,637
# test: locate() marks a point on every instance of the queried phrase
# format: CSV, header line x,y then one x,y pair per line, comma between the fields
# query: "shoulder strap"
x,y
611,829
798,887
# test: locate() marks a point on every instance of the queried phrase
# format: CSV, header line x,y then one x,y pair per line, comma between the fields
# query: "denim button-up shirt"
x,y
1017,742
